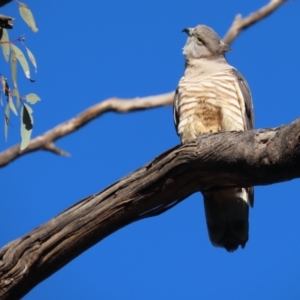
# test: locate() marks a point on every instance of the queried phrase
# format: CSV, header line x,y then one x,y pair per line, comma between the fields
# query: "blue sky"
x,y
89,51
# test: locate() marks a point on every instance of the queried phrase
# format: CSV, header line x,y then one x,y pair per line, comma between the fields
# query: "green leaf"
x,y
32,98
15,93
21,58
5,44
27,16
11,105
3,83
26,125
32,58
13,64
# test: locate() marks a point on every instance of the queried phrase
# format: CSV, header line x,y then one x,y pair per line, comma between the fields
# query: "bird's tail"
x,y
227,212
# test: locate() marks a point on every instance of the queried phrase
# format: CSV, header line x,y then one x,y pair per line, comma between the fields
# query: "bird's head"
x,y
203,42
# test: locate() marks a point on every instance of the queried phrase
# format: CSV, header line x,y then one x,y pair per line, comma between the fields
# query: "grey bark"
x,y
250,158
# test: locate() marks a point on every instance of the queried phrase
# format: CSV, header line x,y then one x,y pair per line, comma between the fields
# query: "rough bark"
x,y
232,158
225,159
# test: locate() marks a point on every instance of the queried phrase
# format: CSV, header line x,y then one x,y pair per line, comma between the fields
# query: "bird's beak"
x,y
188,31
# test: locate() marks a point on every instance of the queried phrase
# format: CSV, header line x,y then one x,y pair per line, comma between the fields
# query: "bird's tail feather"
x,y
227,212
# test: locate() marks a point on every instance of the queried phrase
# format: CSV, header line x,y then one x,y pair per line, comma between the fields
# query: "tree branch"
x,y
4,2
240,23
223,159
46,140
6,22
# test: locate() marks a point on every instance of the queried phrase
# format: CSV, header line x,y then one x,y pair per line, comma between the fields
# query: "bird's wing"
x,y
245,97
175,110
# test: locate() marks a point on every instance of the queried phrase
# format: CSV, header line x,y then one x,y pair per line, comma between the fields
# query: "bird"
x,y
213,96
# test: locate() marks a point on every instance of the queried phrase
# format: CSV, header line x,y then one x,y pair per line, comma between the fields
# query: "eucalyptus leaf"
x,y
27,16
11,105
32,98
13,64
21,58
32,58
5,44
15,93
3,83
26,125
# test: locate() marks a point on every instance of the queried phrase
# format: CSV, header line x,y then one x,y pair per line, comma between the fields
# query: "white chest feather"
x,y
209,104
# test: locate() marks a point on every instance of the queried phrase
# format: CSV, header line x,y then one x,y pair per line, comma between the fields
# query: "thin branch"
x,y
6,22
240,23
231,158
262,157
52,148
4,2
46,140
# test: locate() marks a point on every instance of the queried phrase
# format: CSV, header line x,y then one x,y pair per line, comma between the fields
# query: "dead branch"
x,y
232,158
6,22
46,140
240,23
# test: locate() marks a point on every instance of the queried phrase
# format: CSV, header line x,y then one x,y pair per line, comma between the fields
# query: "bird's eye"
x,y
200,41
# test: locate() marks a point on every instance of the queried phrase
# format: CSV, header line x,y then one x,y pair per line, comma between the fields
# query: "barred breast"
x,y
209,103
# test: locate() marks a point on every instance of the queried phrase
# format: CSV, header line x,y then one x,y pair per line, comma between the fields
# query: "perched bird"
x,y
213,96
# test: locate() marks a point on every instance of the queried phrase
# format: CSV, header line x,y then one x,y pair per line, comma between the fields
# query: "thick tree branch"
x,y
232,158
46,140
240,23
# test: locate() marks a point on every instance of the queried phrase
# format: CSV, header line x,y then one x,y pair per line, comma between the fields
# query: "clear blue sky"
x,y
88,51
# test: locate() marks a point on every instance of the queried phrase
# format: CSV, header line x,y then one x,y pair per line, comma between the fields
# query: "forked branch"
x,y
239,24
47,140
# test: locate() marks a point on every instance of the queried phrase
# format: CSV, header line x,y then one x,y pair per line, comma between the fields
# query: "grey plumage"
x,y
213,96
